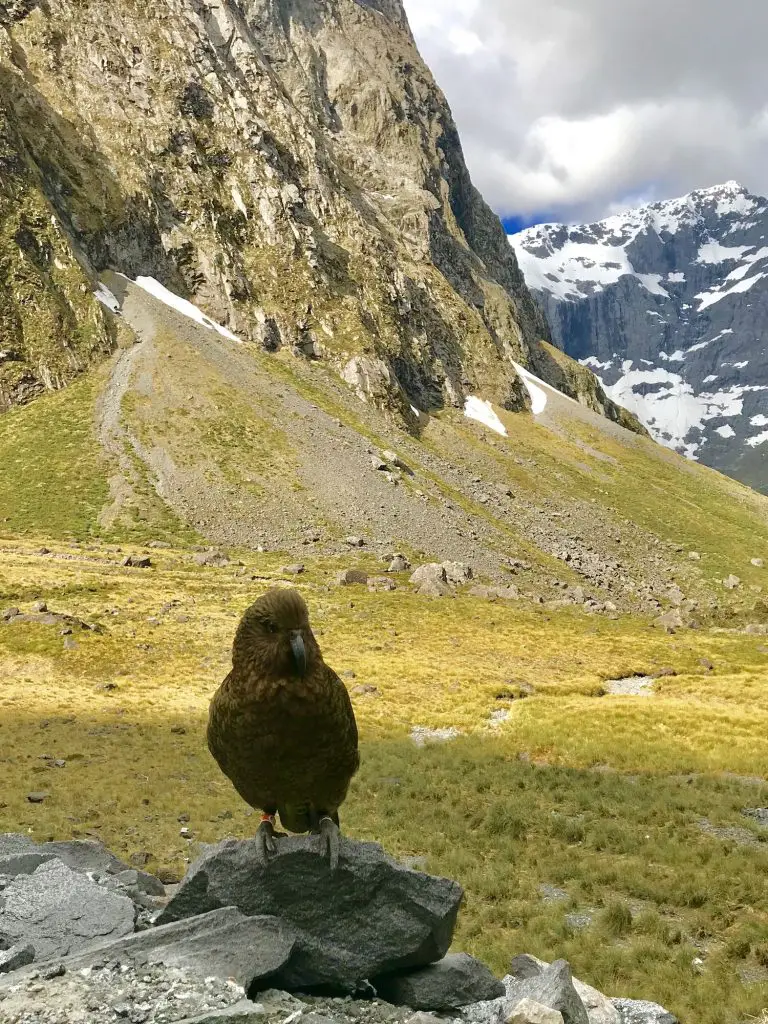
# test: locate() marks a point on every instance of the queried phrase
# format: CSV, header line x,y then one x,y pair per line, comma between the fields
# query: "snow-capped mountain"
x,y
668,304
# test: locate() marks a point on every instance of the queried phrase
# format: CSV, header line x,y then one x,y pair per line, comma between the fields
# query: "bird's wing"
x,y
344,716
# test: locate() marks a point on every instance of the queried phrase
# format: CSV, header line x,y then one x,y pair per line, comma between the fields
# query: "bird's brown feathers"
x,y
284,740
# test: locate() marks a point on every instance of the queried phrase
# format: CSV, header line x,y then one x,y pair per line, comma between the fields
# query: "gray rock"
x,y
431,573
434,588
758,563
355,542
15,957
456,573
732,582
633,1011
381,585
759,814
223,943
293,570
370,917
554,988
352,577
138,562
529,1012
217,559
59,911
244,1012
399,564
422,735
600,1009
456,980
670,620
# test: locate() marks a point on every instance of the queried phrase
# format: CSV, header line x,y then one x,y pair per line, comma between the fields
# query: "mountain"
x,y
289,165
669,304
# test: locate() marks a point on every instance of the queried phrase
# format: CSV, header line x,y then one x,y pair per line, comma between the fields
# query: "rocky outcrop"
x,y
235,931
291,166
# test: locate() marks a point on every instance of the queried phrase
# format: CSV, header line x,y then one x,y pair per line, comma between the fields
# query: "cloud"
x,y
579,107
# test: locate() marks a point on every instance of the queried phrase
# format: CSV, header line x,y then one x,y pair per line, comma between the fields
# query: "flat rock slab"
x,y
244,1012
58,911
529,1012
222,944
456,980
634,1011
15,957
370,917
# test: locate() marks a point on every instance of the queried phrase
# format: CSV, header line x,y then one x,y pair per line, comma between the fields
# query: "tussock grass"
x,y
600,796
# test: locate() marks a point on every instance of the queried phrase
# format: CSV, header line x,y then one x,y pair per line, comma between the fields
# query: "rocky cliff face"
x,y
289,164
669,304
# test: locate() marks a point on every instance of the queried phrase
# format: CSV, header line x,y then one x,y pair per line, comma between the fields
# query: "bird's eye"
x,y
271,627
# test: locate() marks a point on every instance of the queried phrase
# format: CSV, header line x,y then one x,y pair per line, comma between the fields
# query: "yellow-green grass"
x,y
599,795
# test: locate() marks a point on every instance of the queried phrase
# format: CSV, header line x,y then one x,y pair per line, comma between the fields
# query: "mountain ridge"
x,y
668,303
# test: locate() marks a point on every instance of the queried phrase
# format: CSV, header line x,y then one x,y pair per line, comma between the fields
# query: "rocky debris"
x,y
694,556
634,1011
632,686
529,1012
552,893
214,558
45,617
670,621
553,987
455,981
757,562
399,563
366,691
510,593
732,582
293,570
381,585
138,562
371,917
729,833
758,814
354,542
352,577
379,464
421,735
58,911
434,588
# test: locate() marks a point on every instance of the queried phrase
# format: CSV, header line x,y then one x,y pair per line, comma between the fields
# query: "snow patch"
x,y
537,389
715,252
652,283
759,421
759,439
106,298
710,298
725,431
594,363
710,379
676,278
183,306
676,357
477,409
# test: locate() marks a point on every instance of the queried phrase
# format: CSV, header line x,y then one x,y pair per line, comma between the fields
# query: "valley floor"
x,y
607,829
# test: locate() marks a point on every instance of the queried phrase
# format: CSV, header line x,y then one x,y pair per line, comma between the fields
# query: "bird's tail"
x,y
296,817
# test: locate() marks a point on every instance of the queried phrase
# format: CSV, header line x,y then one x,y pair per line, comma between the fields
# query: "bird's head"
x,y
274,636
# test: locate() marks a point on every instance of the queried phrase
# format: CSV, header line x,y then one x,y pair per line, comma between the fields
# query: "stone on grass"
x,y
434,588
352,577
214,558
732,582
381,585
431,573
422,735
399,564
15,957
529,1012
223,943
456,980
59,911
137,562
670,620
370,917
553,987
292,570
634,1011
758,563
456,573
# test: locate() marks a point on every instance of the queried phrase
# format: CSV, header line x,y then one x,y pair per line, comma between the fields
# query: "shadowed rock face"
x,y
669,305
290,166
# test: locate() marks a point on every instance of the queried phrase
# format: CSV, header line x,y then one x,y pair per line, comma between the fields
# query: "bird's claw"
x,y
266,841
330,837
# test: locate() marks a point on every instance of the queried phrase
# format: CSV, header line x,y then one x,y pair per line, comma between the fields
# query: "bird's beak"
x,y
299,653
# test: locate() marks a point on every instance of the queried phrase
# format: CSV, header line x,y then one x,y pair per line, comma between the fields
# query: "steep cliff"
x,y
669,305
289,164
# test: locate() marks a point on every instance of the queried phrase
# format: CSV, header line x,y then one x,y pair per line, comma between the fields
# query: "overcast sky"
x,y
573,109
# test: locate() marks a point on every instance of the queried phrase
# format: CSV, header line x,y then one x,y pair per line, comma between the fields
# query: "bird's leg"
x,y
265,838
327,827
